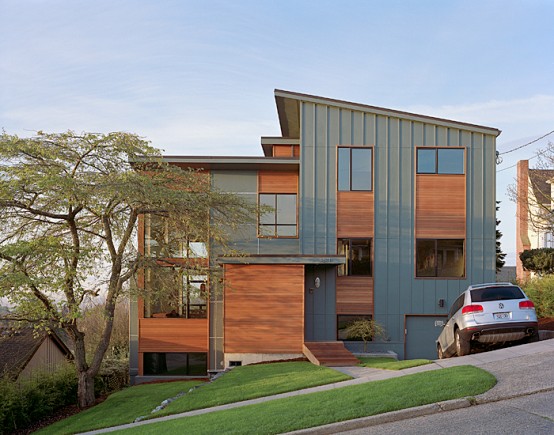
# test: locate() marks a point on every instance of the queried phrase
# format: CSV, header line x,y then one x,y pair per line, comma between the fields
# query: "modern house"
x,y
534,198
377,214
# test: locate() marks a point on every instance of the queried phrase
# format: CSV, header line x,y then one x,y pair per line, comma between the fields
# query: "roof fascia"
x,y
282,94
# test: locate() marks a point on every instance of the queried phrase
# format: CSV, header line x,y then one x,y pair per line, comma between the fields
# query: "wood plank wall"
x,y
355,219
286,150
173,335
440,206
264,308
354,295
355,212
277,182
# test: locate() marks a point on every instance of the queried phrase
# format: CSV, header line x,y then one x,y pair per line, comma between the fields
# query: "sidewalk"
x,y
520,370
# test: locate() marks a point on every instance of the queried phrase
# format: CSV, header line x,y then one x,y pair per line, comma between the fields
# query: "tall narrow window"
x,y
280,220
358,256
354,168
440,258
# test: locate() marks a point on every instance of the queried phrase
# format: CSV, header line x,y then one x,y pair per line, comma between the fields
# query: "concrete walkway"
x,y
520,370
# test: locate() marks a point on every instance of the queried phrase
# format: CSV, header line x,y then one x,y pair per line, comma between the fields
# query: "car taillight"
x,y
472,309
526,305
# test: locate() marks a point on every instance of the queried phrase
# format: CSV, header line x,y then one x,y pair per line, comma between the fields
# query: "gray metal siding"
x,y
397,292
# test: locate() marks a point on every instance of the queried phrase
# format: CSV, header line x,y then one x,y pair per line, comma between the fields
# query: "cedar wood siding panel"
x,y
286,150
277,182
354,214
354,295
264,308
440,206
173,335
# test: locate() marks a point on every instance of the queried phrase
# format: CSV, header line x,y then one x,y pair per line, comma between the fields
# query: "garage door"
x,y
421,333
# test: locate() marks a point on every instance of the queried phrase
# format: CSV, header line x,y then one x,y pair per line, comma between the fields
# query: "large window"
x,y
440,258
358,256
164,239
279,220
175,364
440,161
175,293
354,168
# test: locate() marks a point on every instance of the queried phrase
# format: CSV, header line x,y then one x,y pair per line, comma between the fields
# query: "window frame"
x,y
275,225
346,269
350,171
436,160
436,257
185,248
181,294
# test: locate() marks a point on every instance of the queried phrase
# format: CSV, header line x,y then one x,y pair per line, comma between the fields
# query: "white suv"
x,y
485,315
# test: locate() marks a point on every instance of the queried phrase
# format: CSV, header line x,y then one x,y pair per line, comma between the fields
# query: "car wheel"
x,y
440,353
463,347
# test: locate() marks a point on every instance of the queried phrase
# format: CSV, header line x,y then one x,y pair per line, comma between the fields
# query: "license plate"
x,y
501,316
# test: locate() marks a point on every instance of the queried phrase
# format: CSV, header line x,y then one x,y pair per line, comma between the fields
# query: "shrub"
x,y
29,400
113,376
366,330
541,291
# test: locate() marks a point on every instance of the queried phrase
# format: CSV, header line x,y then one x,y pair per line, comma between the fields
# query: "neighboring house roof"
x,y
540,183
17,347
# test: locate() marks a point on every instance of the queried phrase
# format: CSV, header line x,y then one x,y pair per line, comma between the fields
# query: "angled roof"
x,y
18,346
540,180
288,107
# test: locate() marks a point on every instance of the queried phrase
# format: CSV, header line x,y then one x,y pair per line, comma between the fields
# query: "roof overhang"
x,y
234,163
288,108
331,260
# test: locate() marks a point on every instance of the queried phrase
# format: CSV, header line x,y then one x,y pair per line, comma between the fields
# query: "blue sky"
x,y
197,77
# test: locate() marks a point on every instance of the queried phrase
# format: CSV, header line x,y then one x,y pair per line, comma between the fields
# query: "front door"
x,y
319,303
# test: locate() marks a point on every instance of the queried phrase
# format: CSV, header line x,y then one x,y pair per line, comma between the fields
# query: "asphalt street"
x,y
532,414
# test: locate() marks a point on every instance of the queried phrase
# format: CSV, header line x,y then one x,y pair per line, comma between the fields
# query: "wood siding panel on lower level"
x,y
264,308
277,182
354,295
355,212
440,206
173,335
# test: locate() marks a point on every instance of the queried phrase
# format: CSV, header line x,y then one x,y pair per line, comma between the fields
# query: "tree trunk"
x,y
85,390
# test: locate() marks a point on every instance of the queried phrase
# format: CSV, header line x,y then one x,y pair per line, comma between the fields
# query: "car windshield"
x,y
496,294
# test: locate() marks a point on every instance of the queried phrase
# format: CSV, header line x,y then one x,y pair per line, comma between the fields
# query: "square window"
x,y
281,219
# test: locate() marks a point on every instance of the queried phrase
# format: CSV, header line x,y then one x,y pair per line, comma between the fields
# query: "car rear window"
x,y
496,294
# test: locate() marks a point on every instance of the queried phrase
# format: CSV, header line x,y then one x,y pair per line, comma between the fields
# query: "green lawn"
x,y
241,383
346,403
250,382
391,363
120,408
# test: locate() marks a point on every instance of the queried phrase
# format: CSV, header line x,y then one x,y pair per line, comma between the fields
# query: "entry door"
x,y
319,304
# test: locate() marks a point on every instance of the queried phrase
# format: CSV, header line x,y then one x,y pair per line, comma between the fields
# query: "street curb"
x,y
405,414
389,417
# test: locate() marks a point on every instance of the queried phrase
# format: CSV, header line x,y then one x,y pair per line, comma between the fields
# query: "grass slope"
x,y
391,363
241,383
120,408
346,403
